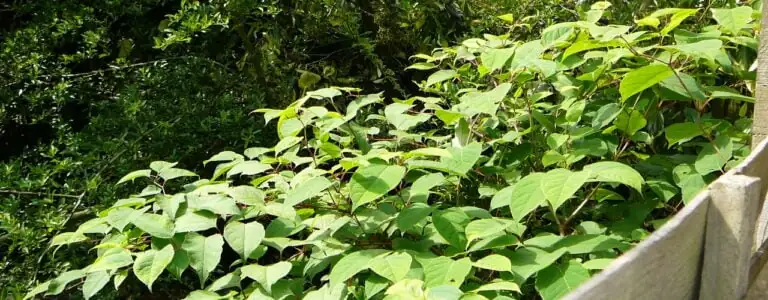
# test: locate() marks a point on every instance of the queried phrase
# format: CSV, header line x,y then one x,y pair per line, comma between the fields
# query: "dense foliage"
x,y
525,167
92,90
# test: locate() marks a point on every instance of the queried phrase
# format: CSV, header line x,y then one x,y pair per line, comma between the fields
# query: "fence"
x,y
714,248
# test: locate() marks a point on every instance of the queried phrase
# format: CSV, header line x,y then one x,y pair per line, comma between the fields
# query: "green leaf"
x,y
151,263
494,262
494,242
204,253
483,228
218,204
495,59
587,243
281,210
552,157
133,175
247,195
244,238
677,18
94,282
439,152
354,107
419,191
561,184
266,276
611,171
179,263
374,284
643,78
57,285
474,103
225,156
397,115
557,280
689,181
351,264
373,181
725,93
112,259
156,225
608,33
170,205
499,286
707,49
556,140
227,281
713,157
444,292
330,149
526,195
329,92
159,166
448,117
556,33
732,20
586,45
40,288
440,76
193,221
450,224
631,122
173,173
648,21
442,270
249,167
68,238
120,276
526,54
307,190
663,189
393,266
203,295
598,263
605,115
461,161
688,90
682,132
308,79
421,66
406,289
509,18
574,112
412,215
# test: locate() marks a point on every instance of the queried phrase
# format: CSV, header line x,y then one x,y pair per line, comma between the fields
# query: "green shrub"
x,y
533,167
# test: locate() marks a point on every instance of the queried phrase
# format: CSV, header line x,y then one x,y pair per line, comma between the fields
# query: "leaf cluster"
x,y
529,166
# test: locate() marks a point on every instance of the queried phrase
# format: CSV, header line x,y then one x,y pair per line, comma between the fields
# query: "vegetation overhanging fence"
x,y
714,248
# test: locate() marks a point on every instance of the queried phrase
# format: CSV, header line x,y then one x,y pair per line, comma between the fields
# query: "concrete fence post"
x,y
730,230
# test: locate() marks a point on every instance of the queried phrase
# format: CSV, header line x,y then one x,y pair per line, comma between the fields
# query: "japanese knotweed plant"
x,y
531,167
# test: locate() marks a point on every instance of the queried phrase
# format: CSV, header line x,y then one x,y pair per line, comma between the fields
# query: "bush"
x,y
535,166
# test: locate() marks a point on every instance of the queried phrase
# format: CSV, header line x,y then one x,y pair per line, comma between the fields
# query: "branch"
x,y
39,194
583,202
114,69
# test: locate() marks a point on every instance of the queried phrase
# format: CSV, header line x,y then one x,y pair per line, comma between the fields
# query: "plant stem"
x,y
576,211
557,220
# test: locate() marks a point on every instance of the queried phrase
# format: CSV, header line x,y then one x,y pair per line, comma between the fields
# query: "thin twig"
x,y
114,69
576,211
40,194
